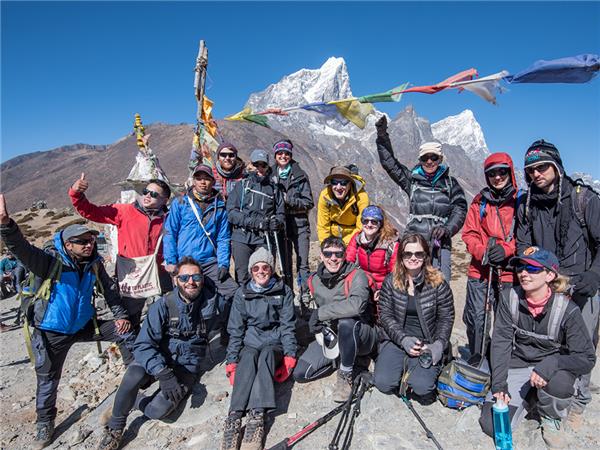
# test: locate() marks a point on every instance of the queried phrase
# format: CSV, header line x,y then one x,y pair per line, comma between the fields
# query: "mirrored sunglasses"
x,y
197,277
529,268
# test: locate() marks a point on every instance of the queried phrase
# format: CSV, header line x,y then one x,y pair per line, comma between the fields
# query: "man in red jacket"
x,y
139,226
488,233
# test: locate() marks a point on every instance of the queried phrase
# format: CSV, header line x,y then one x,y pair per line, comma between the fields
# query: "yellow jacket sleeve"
x,y
323,218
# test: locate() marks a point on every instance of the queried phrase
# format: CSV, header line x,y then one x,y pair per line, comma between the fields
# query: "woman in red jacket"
x,y
374,248
489,235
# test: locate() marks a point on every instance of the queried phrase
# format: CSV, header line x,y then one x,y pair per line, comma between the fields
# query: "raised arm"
x,y
109,214
396,170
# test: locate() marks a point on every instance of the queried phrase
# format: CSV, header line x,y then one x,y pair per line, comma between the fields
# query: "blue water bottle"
x,y
502,431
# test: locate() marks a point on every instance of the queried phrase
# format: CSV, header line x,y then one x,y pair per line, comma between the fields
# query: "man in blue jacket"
x,y
64,312
169,348
197,226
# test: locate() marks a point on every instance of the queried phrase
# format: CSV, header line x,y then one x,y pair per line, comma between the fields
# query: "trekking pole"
x,y
290,441
283,274
487,305
341,426
428,432
266,234
365,384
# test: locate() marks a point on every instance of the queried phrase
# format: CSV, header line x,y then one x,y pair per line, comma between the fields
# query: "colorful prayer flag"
x,y
354,111
462,76
486,87
209,123
573,69
393,95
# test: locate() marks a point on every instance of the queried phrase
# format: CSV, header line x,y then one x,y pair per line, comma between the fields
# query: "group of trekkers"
x,y
378,298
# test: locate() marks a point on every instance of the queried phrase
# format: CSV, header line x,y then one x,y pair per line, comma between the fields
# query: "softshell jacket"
x,y
260,319
498,222
138,233
435,309
377,261
332,301
251,204
510,350
70,305
297,195
334,219
185,237
158,346
224,183
435,202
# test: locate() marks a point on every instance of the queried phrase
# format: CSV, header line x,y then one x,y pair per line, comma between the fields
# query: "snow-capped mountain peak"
x,y
464,130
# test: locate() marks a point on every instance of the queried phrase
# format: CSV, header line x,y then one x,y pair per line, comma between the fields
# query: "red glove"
x,y
284,370
230,372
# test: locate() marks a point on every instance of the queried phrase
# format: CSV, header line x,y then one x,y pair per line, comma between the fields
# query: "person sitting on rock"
x,y
12,272
261,329
256,211
540,345
437,202
375,247
63,312
340,204
416,314
169,348
197,226
228,169
139,227
342,295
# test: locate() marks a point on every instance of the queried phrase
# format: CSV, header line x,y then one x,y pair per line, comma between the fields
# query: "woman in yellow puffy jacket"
x,y
340,204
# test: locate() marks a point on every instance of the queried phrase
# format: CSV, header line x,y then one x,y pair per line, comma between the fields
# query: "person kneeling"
x,y
342,294
169,348
539,346
416,314
261,329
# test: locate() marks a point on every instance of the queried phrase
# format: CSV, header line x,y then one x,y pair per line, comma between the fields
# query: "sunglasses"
x,y
197,277
368,221
226,155
261,267
330,253
152,194
82,241
429,157
283,153
418,255
341,182
497,173
540,168
529,268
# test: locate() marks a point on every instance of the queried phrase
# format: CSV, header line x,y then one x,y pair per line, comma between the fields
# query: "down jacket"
x,y
435,308
260,319
433,202
70,305
499,221
377,261
338,220
185,237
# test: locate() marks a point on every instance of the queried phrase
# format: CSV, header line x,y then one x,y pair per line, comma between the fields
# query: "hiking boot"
x,y
575,419
553,433
254,432
45,430
111,439
343,386
232,433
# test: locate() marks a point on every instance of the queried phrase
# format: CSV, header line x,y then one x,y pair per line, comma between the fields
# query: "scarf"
x,y
363,241
260,289
284,173
236,172
551,201
536,307
330,280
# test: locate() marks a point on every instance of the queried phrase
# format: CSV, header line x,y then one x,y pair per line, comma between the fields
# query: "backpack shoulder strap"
x,y
172,309
98,283
54,275
559,308
579,202
514,306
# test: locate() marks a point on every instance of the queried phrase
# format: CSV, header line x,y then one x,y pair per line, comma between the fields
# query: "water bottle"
x,y
502,431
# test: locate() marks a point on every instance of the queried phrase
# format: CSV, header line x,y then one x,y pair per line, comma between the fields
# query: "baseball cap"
x,y
76,230
538,257
259,155
203,168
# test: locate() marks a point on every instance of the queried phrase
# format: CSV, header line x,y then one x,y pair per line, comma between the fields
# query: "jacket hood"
x,y
501,158
277,288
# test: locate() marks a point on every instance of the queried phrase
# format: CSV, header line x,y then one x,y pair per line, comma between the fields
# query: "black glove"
x,y
169,386
381,126
586,283
259,224
275,224
314,325
223,273
439,233
496,254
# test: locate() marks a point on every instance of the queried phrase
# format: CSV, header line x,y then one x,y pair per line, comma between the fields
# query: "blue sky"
x,y
77,71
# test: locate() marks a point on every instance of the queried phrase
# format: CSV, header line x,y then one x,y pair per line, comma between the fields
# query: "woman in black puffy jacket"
x,y
416,313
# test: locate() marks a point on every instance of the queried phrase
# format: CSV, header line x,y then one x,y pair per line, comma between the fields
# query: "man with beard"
x,y
562,216
489,235
228,169
169,348
139,226
63,311
197,227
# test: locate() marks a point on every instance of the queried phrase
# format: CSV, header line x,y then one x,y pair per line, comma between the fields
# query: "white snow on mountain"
x,y
464,130
587,178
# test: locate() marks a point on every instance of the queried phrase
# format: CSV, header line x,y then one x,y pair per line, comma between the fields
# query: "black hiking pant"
x,y
156,406
253,386
297,237
50,351
355,338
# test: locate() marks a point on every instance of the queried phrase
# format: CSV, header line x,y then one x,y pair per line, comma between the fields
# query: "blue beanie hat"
x,y
372,212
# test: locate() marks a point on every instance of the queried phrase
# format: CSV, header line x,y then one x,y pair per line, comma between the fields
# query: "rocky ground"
x,y
89,382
